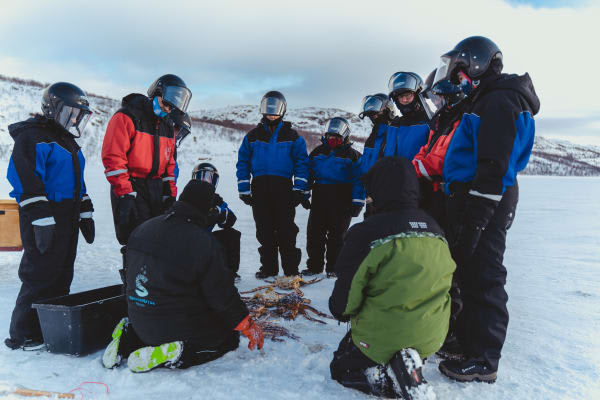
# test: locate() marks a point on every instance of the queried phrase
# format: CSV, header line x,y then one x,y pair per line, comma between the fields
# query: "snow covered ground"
x,y
552,350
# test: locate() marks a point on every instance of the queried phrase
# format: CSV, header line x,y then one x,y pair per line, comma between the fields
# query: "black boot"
x,y
406,365
27,344
469,370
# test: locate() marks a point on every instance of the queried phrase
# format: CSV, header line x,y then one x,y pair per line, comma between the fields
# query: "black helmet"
x,y
173,90
443,95
338,126
206,172
273,103
373,104
68,105
183,125
402,82
473,55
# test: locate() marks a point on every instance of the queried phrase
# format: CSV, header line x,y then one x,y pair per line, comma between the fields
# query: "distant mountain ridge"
x,y
217,132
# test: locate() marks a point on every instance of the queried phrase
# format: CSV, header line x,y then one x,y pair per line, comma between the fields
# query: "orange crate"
x,y
10,235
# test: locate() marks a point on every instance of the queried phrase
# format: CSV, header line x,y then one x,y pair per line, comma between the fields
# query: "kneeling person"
x,y
183,306
394,274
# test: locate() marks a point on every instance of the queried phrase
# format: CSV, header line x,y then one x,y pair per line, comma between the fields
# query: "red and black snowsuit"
x,y
138,156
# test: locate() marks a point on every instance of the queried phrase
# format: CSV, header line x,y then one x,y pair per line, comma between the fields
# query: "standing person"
x,y
183,307
490,146
380,110
138,155
46,172
269,156
448,102
409,132
337,196
221,215
394,273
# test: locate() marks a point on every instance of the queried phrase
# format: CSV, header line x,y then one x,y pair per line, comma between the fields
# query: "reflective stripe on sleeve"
x,y
244,181
168,178
116,172
300,179
361,201
422,170
87,214
495,197
32,200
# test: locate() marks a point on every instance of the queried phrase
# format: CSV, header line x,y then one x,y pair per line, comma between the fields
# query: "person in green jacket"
x,y
394,276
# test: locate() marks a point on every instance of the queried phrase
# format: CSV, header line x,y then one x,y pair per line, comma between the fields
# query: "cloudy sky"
x,y
319,53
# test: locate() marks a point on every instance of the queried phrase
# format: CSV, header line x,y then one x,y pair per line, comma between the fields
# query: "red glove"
x,y
252,331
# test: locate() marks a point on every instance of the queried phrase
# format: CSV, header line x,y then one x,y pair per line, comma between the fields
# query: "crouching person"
x,y
184,309
394,274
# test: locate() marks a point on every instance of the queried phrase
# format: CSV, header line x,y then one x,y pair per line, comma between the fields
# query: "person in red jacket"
x,y
138,154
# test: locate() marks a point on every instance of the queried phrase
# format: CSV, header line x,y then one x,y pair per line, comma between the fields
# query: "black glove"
x,y
369,210
44,236
88,229
126,217
478,212
354,210
247,198
217,200
229,220
298,197
168,202
214,217
305,203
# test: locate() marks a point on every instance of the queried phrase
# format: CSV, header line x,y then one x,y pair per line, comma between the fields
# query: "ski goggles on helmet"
x,y
371,105
338,126
272,106
73,119
207,175
402,82
177,97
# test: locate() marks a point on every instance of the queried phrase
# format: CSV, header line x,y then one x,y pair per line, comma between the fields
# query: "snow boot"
x,y
468,371
308,272
264,275
380,382
27,344
111,357
147,358
451,350
406,366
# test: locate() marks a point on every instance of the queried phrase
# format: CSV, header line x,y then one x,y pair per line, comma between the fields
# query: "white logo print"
x,y
140,279
418,225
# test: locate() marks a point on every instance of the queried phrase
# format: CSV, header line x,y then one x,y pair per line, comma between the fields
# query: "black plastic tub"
x,y
81,323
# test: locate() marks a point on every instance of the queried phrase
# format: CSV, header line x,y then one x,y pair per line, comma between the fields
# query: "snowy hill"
x,y
220,131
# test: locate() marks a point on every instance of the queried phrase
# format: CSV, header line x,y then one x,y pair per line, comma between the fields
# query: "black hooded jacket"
x,y
178,286
394,188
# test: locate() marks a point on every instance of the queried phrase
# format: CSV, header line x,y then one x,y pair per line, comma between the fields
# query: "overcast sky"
x,y
318,53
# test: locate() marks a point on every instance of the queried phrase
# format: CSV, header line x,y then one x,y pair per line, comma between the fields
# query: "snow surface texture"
x,y
552,349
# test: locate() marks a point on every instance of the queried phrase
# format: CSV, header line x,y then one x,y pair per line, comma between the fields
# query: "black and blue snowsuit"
x,y
268,159
492,143
336,186
46,173
404,139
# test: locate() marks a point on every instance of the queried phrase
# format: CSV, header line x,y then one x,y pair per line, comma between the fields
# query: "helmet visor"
x,y
432,103
402,82
443,70
339,127
372,104
272,106
181,134
73,119
207,175
178,97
